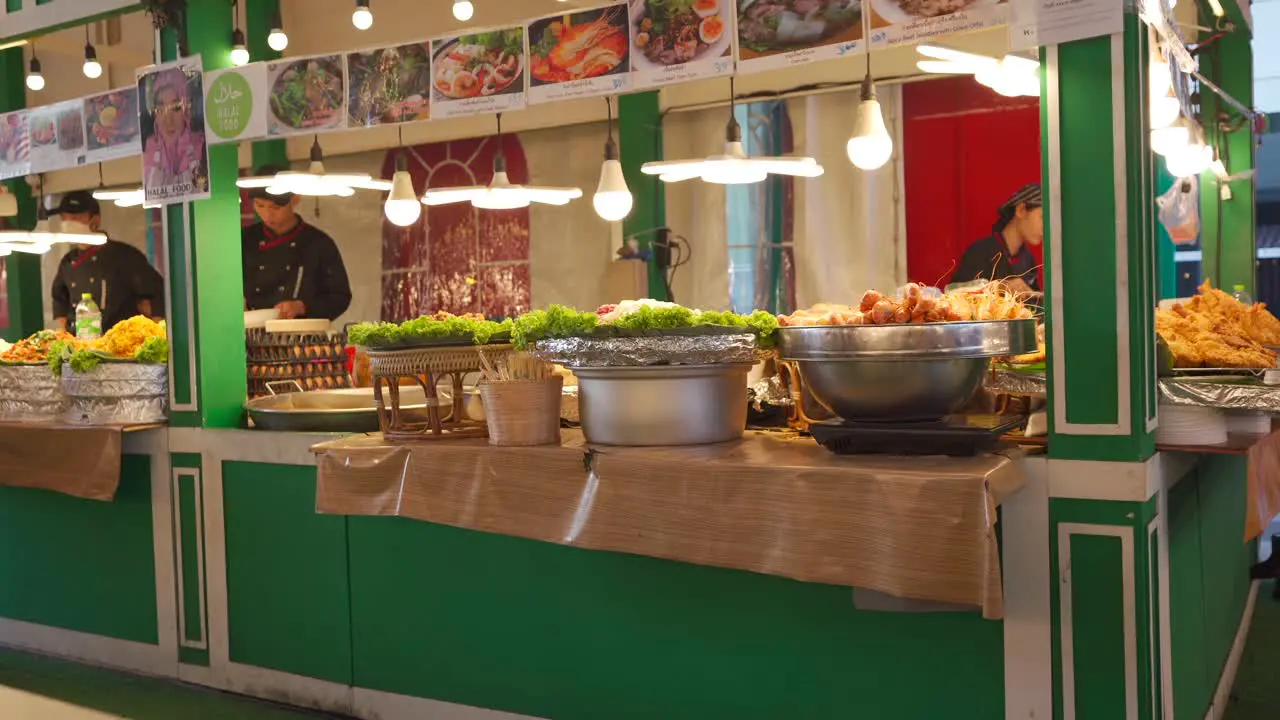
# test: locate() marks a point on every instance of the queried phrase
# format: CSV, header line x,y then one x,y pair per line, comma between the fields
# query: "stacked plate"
x,y
1181,425
1249,424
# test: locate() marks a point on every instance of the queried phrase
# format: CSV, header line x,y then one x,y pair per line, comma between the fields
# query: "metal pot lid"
x,y
907,342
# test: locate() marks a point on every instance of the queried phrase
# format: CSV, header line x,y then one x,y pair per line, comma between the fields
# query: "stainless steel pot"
x,y
900,372
350,410
664,404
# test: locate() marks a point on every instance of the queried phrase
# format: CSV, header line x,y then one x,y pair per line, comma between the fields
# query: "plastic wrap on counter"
x,y
117,380
1243,395
1010,382
770,503
116,410
645,351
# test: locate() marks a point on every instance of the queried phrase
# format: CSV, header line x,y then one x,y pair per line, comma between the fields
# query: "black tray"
x,y
952,436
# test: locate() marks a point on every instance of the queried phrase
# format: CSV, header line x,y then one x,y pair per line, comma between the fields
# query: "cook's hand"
x,y
1018,286
291,309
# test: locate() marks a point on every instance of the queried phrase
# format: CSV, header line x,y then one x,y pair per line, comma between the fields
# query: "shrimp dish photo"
x,y
479,65
568,50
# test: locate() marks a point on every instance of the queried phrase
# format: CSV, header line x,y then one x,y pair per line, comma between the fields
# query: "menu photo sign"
x,y
480,73
15,145
234,102
56,136
903,22
580,54
679,42
772,35
389,85
1033,23
111,126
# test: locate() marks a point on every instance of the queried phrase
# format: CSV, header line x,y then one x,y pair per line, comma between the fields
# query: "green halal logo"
x,y
230,105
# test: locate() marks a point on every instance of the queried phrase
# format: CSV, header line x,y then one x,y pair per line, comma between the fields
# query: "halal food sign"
x,y
233,110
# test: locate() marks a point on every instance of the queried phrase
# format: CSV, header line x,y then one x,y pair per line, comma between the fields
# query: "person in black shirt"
x,y
1003,255
290,265
118,276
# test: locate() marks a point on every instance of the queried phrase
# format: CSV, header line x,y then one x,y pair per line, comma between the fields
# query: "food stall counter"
x,y
919,528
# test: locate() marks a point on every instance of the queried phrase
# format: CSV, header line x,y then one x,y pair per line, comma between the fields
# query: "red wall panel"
x,y
965,150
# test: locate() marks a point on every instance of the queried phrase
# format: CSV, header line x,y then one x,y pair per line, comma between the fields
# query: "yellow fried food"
x,y
127,336
1214,330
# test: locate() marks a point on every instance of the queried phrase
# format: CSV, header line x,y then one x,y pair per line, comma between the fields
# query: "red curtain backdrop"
x,y
457,258
965,150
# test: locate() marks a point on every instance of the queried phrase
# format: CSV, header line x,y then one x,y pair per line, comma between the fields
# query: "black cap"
x,y
260,193
79,201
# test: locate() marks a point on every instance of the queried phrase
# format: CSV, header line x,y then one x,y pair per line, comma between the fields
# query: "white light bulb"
x,y
92,69
362,18
870,147
1167,140
1191,159
402,207
463,10
239,55
1164,111
35,82
277,40
613,201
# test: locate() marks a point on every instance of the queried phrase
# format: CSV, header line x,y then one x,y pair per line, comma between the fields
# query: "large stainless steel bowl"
x,y
890,373
663,404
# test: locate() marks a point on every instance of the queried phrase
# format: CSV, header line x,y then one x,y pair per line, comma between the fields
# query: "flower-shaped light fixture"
x,y
501,193
315,181
734,166
121,198
1011,75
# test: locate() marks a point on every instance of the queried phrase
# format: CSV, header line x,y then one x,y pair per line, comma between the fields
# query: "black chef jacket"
x,y
118,277
303,264
989,259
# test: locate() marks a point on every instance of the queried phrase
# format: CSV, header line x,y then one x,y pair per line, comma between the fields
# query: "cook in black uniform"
x,y
118,276
290,265
1004,255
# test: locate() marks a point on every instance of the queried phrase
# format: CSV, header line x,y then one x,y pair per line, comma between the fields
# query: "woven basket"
x,y
428,367
521,413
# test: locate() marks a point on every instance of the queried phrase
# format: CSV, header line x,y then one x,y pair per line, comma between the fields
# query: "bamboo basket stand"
x,y
428,367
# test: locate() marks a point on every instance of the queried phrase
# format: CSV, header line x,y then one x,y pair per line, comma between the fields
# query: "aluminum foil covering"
x,y
1245,394
1009,382
35,383
117,380
644,351
115,411
32,412
770,391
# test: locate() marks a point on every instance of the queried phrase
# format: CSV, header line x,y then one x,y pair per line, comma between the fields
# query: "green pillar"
x,y
257,25
1229,231
1100,248
640,141
24,286
204,257
1165,249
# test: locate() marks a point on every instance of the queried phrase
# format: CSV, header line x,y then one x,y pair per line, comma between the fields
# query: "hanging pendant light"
x,y
362,18
35,79
239,49
501,193
1193,158
463,10
276,39
734,167
403,207
613,200
121,198
1011,75
92,68
315,181
1171,138
871,146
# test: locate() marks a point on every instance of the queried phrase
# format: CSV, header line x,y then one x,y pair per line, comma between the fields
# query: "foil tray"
x,y
586,352
117,380
1241,394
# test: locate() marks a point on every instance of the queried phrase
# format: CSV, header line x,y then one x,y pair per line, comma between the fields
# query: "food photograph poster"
x,y
483,72
775,34
896,22
580,54
175,158
675,42
308,95
111,126
389,85
234,103
15,145
57,136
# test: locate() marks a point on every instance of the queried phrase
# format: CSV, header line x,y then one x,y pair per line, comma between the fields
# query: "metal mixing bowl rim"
x,y
987,339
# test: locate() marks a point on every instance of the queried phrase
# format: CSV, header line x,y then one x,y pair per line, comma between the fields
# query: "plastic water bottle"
x,y
88,319
1238,292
